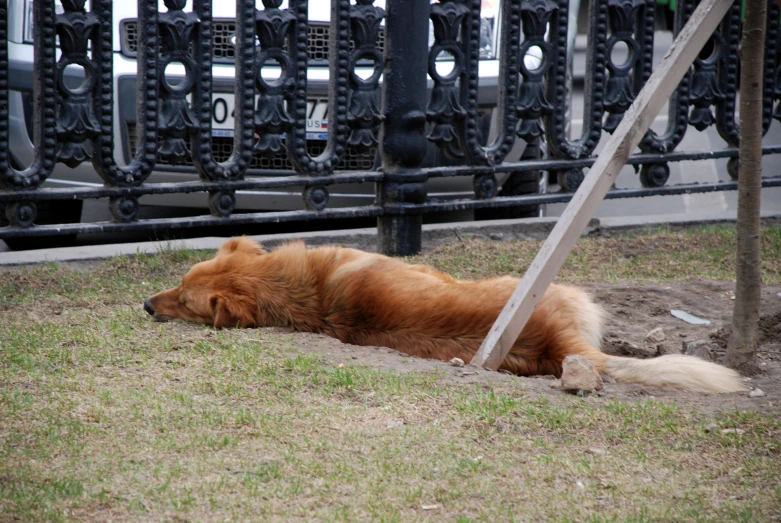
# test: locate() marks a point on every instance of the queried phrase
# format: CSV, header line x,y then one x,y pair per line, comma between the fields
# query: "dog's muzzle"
x,y
148,307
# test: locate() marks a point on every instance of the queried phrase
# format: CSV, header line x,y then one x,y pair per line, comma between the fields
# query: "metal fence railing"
x,y
421,108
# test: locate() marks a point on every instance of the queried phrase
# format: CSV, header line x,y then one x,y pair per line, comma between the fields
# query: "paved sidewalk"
x,y
434,234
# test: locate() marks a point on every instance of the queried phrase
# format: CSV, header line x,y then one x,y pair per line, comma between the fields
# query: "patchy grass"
x,y
106,415
662,255
118,280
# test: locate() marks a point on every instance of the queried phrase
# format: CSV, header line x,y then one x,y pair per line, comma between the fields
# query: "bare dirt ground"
x,y
634,310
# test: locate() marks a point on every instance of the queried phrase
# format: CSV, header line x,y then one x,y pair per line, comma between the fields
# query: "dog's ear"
x,y
241,244
230,312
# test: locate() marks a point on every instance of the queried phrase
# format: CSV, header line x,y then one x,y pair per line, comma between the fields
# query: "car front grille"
x,y
222,147
225,52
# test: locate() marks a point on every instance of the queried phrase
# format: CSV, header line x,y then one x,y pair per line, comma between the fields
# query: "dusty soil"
x,y
634,310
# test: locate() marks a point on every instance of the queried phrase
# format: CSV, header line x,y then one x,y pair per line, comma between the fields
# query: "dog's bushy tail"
x,y
675,370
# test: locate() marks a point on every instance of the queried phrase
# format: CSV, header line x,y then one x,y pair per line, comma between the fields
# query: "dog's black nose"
x,y
148,307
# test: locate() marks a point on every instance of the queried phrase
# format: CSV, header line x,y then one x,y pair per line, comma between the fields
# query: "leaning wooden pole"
x,y
600,178
742,344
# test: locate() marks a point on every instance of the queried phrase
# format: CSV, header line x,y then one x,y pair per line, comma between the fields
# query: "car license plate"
x,y
224,107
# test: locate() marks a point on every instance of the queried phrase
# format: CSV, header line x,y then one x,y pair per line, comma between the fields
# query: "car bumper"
x,y
125,71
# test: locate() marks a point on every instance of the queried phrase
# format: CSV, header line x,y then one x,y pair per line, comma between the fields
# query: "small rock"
x,y
580,484
341,365
457,362
429,507
703,353
712,427
595,451
468,373
756,393
354,357
733,431
630,349
496,236
718,356
556,384
505,371
579,375
403,355
698,348
689,346
656,335
664,348
395,423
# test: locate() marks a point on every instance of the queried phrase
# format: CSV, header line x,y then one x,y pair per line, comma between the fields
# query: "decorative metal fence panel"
x,y
387,97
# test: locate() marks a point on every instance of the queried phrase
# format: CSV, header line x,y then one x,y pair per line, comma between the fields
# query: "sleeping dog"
x,y
369,299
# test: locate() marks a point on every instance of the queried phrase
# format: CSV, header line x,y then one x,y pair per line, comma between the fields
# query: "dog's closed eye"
x,y
189,306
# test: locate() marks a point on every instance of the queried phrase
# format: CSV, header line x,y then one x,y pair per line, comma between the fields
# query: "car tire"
x,y
518,184
48,213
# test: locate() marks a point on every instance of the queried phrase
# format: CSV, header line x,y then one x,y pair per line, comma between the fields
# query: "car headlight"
x,y
27,25
489,38
27,28
489,9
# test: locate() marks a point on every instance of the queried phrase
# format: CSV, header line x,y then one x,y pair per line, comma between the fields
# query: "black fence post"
x,y
402,137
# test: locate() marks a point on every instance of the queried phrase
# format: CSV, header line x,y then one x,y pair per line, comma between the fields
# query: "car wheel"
x,y
518,184
48,213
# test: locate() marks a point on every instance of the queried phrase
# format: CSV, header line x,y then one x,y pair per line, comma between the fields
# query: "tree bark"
x,y
742,344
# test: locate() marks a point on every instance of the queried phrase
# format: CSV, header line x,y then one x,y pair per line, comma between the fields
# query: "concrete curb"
x,y
433,235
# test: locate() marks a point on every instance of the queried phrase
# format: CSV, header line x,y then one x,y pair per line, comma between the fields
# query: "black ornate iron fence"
x,y
401,106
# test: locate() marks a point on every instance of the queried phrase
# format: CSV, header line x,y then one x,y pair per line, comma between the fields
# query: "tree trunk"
x,y
742,345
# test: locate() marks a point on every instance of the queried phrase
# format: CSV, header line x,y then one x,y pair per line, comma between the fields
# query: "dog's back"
x,y
370,299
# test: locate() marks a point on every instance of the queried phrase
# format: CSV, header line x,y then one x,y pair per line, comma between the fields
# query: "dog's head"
x,y
215,292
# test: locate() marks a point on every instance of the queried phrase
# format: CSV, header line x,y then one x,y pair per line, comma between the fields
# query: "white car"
x,y
20,31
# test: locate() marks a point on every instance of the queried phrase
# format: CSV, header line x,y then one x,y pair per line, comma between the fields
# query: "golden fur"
x,y
370,299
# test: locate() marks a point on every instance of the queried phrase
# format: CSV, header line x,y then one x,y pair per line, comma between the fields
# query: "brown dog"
x,y
370,299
